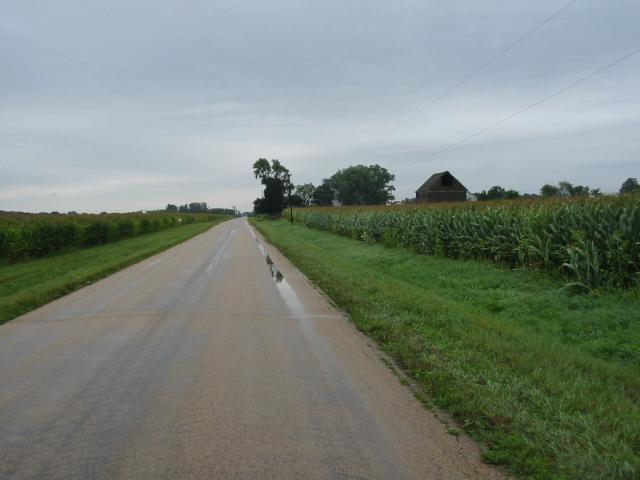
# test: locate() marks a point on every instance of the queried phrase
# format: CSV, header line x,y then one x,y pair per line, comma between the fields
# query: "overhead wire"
x,y
471,75
533,105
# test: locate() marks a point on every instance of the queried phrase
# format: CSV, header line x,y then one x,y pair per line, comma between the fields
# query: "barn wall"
x,y
441,196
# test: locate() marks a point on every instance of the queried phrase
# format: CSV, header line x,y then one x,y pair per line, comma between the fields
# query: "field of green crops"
x,y
593,243
26,235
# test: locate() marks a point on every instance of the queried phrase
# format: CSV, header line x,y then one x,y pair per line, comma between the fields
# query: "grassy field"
x,y
549,382
30,284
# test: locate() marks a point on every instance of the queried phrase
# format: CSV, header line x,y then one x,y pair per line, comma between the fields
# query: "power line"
x,y
533,105
471,75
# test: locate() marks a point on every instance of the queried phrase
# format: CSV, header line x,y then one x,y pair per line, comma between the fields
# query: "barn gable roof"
x,y
434,182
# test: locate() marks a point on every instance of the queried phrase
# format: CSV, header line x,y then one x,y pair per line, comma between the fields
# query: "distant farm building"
x,y
441,187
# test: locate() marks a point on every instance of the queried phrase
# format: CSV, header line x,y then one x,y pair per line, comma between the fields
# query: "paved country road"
x,y
206,362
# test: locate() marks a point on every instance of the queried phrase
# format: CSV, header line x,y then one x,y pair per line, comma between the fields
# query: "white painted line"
x,y
251,232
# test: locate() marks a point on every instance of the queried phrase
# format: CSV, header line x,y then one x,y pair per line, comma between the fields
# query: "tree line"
x,y
354,185
561,189
199,207
372,185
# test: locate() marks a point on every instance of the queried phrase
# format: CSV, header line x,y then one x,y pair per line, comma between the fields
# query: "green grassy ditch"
x,y
547,381
27,285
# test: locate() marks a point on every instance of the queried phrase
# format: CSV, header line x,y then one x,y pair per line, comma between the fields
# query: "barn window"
x,y
447,180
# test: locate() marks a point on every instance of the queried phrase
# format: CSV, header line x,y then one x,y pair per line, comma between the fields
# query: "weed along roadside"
x,y
546,380
29,284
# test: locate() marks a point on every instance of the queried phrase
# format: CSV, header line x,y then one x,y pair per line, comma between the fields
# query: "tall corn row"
x,y
593,242
34,235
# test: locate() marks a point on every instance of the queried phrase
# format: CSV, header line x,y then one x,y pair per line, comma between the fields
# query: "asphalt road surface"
x,y
210,361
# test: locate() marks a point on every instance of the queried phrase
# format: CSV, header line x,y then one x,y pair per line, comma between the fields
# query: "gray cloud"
x,y
132,104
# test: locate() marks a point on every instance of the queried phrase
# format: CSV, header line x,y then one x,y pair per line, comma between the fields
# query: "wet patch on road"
x,y
288,294
222,251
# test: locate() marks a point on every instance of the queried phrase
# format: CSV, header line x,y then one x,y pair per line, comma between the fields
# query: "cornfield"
x,y
25,235
591,242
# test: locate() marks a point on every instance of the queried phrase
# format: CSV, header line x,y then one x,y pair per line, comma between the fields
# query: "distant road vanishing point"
x,y
209,362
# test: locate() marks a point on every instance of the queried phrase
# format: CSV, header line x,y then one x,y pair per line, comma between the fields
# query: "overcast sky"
x,y
122,105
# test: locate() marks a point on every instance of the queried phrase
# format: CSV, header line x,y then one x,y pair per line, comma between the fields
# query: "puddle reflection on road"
x,y
290,297
288,294
275,273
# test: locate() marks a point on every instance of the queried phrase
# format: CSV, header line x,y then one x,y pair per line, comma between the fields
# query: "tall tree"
x,y
275,177
630,185
363,185
262,168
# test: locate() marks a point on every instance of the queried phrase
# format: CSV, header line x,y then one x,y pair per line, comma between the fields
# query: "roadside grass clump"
x,y
29,235
547,381
592,243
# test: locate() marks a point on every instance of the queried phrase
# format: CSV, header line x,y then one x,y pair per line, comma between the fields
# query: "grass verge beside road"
x,y
548,382
27,285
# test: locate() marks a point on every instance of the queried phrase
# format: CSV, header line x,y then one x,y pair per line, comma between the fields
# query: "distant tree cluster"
x,y
198,207
194,207
224,211
563,189
498,193
567,189
355,185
